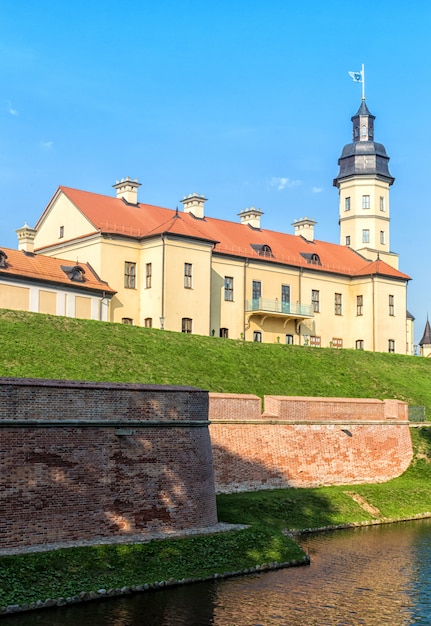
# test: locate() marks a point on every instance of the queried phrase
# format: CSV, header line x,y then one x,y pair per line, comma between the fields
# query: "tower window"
x,y
347,240
363,131
382,237
365,235
382,203
366,202
347,204
391,305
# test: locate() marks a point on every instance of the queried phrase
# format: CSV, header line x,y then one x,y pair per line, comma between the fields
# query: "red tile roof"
x,y
112,215
27,265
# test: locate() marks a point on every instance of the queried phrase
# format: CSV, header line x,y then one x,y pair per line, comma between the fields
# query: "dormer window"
x,y
3,259
74,273
262,249
311,257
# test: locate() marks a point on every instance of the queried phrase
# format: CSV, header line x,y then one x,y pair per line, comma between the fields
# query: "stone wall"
x,y
81,461
306,442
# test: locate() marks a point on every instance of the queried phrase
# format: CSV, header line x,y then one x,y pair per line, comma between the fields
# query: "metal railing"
x,y
277,306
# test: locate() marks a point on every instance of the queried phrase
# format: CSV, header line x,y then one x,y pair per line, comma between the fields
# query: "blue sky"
x,y
248,103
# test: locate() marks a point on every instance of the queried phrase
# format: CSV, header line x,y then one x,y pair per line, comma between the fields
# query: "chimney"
x,y
127,189
304,227
194,204
251,216
26,236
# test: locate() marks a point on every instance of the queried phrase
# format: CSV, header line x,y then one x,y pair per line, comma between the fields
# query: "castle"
x,y
188,272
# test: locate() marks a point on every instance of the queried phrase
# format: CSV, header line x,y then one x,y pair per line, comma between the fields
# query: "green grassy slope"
x,y
43,346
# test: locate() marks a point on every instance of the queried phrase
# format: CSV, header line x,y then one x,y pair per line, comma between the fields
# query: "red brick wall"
x,y
306,442
83,460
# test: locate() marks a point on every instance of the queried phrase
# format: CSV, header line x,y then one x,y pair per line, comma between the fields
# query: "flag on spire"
x,y
357,77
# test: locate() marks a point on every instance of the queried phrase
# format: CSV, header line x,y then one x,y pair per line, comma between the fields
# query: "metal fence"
x,y
417,414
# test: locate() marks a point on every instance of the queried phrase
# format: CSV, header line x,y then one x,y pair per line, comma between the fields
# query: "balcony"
x,y
277,308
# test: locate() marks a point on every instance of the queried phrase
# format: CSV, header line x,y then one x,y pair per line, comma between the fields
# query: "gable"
x,y
61,221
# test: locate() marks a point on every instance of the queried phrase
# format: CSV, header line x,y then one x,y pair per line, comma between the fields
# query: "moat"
x,y
370,576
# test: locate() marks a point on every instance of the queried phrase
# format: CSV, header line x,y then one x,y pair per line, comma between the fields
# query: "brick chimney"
x,y
26,237
127,189
304,227
194,204
251,216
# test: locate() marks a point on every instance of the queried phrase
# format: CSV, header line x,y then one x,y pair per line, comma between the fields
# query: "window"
x,y
359,305
129,275
61,232
337,342
228,288
338,303
365,202
382,203
224,332
285,298
315,300
127,320
315,341
148,322
257,336
359,344
257,289
3,258
186,325
347,240
347,204
382,236
391,345
365,235
363,131
391,305
187,276
148,275
289,340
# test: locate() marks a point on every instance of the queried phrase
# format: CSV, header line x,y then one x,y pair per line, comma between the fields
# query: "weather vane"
x,y
359,77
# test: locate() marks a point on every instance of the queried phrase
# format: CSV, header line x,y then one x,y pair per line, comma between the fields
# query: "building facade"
x,y
42,284
188,272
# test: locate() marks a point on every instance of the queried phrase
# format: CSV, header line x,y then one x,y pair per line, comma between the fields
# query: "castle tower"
x,y
363,183
425,342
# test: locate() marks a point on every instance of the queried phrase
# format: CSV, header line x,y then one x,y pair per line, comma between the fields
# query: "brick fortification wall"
x,y
306,442
82,461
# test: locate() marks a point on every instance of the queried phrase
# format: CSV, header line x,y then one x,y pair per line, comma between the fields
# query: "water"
x,y
371,576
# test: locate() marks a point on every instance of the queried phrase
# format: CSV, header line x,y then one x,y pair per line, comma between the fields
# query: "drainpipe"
x,y
245,293
374,313
162,316
300,298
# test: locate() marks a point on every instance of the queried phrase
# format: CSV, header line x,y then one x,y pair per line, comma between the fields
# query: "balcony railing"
x,y
262,305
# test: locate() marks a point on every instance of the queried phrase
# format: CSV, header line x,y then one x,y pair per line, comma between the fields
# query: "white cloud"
x,y
317,189
284,182
10,108
47,145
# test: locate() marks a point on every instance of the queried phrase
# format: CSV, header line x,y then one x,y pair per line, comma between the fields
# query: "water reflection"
x,y
371,576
